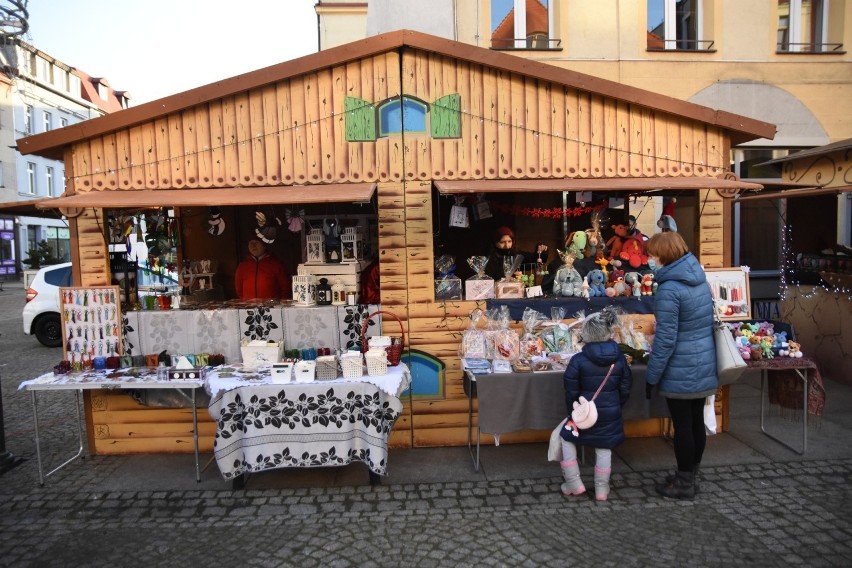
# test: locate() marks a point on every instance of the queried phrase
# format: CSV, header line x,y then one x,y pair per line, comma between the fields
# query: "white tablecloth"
x,y
263,425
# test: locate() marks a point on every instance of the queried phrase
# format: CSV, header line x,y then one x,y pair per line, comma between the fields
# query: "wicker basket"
x,y
377,362
327,368
394,351
353,367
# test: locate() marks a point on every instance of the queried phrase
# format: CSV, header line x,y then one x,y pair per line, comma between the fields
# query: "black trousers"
x,y
689,434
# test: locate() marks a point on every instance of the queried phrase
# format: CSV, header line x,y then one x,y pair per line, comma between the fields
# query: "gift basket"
x,y
394,349
352,364
326,368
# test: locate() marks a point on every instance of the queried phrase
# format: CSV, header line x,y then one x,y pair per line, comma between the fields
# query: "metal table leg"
x,y
195,437
475,458
803,374
41,474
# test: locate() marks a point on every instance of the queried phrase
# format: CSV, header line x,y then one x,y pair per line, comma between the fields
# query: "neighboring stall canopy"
x,y
30,208
825,170
573,184
275,195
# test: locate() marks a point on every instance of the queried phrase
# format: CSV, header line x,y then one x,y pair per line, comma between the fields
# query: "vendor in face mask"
x,y
504,246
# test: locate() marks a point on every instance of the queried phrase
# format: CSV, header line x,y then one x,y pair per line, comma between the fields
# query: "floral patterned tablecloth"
x,y
785,387
262,425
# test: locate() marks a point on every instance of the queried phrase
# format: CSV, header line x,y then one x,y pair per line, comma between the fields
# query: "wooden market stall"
x,y
413,117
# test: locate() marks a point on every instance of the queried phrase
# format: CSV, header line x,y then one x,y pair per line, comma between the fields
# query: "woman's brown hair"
x,y
667,247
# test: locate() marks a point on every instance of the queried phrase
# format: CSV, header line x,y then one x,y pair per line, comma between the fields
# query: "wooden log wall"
x,y
294,132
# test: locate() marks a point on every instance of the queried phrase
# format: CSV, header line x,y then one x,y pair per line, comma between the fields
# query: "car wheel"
x,y
49,330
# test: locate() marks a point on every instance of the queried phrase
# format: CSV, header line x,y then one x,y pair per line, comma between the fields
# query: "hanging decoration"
x,y
267,226
215,223
295,219
459,214
548,212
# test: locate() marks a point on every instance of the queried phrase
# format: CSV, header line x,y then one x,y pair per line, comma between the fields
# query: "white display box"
x,y
305,371
479,289
281,373
258,353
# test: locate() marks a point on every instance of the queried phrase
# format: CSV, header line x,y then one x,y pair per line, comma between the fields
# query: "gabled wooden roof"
x,y
52,144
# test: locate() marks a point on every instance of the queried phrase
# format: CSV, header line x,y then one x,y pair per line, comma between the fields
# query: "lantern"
x,y
304,289
352,244
323,292
315,252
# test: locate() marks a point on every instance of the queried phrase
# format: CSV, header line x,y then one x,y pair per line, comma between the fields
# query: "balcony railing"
x,y
809,47
526,43
681,45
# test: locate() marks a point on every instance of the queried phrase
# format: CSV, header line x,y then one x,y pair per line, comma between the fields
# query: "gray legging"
x,y
689,434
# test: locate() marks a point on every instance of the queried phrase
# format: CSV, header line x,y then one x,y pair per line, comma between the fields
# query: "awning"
x,y
270,195
29,208
597,184
801,192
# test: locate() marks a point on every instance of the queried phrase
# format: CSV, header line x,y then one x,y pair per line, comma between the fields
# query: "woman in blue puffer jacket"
x,y
585,373
683,357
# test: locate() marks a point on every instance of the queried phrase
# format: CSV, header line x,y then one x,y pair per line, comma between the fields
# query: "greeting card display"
x,y
91,325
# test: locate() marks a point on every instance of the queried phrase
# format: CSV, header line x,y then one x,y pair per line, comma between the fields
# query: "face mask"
x,y
652,264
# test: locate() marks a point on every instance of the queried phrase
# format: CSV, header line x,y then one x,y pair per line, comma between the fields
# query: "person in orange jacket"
x,y
261,275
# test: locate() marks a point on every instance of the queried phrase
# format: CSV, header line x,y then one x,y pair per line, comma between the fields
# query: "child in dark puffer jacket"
x,y
584,374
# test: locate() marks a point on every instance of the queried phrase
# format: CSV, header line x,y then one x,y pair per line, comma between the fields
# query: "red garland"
x,y
554,213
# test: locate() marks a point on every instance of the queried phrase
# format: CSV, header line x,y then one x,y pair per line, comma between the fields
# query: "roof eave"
x,y
52,144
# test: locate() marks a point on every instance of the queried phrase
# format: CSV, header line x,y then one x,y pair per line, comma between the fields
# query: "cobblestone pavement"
x,y
793,513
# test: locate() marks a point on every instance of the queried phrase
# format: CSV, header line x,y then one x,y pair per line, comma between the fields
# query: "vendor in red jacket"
x,y
261,275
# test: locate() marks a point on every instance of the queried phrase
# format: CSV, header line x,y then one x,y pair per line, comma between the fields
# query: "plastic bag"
x,y
473,343
447,284
531,344
506,340
480,286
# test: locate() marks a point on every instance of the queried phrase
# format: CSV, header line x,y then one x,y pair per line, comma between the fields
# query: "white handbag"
x,y
729,362
585,413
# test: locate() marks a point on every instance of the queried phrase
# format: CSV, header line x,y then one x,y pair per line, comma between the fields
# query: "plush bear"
x,y
596,279
616,242
756,353
568,281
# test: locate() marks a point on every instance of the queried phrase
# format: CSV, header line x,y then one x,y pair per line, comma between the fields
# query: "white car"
x,y
41,312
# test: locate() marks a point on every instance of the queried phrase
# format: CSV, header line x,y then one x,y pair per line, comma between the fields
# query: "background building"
x,y
41,94
780,61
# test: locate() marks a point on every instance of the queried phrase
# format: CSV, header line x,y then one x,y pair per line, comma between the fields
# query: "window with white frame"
x,y
48,180
48,122
60,186
63,122
523,24
28,119
31,178
802,25
2,179
676,25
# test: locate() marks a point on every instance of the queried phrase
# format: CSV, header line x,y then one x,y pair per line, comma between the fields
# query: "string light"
x,y
789,265
257,137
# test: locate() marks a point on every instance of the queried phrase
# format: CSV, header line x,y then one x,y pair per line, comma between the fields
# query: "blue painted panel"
x,y
427,375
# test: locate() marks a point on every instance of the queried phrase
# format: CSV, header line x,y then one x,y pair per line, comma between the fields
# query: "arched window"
x,y
394,113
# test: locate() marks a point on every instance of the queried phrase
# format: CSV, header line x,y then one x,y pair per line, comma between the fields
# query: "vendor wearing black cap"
x,y
504,246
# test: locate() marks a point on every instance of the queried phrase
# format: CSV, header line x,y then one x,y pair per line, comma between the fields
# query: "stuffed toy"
x,y
648,284
584,290
620,287
766,346
616,271
756,353
745,352
568,281
596,279
633,251
632,281
616,242
794,350
577,244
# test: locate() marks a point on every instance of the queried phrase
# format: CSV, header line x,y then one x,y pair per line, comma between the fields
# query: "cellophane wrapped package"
x,y
531,344
480,286
448,286
474,344
506,341
509,286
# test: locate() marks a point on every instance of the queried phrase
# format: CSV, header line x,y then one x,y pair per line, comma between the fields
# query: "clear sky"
x,y
156,48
